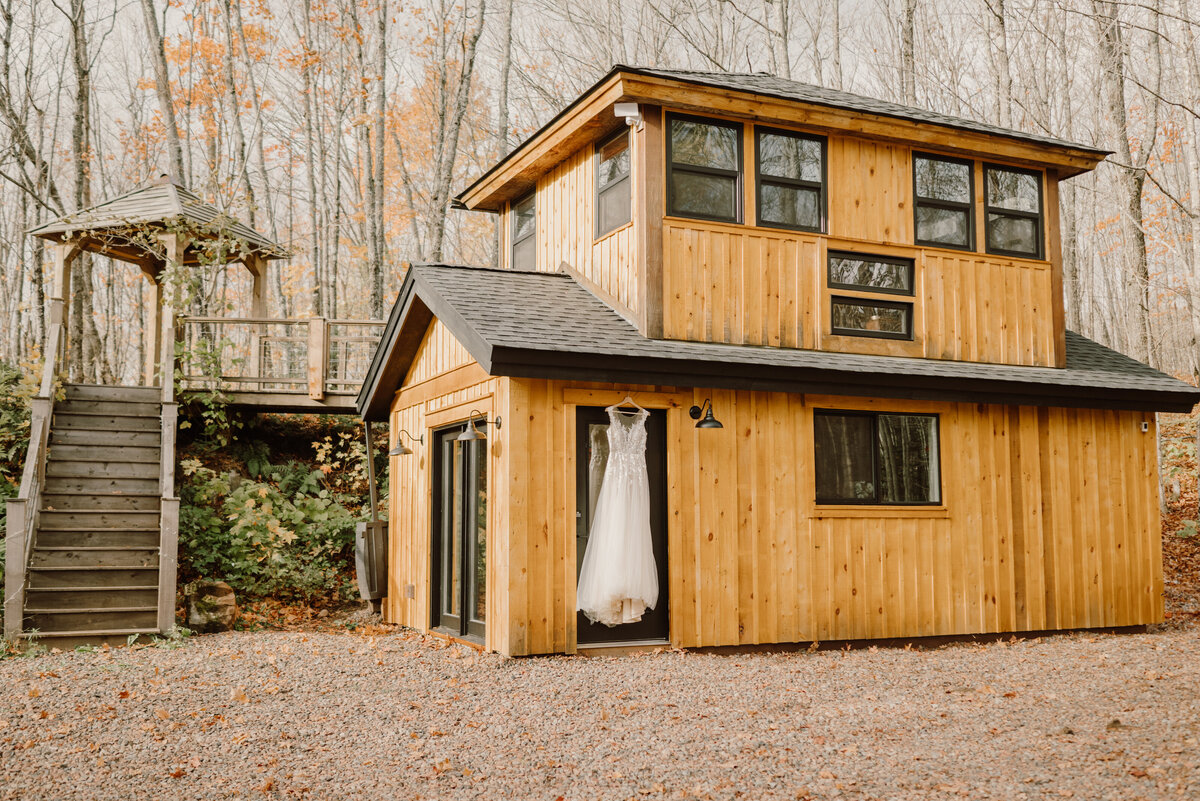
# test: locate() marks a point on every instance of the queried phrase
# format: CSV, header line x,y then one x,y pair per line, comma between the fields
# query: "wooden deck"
x,y
312,366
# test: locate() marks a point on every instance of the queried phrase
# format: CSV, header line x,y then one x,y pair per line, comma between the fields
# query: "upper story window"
x,y
790,179
876,458
859,316
944,189
524,225
613,190
704,168
1013,208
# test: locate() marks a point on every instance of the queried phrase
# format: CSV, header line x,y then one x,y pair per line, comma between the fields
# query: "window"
x,y
870,458
524,225
1013,209
944,189
870,317
704,169
790,180
613,190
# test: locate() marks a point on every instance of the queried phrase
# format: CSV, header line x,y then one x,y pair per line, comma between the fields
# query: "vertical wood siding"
x,y
566,228
1049,521
727,283
870,191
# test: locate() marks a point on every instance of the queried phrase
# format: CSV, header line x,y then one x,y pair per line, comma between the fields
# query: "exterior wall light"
x,y
472,432
709,421
401,449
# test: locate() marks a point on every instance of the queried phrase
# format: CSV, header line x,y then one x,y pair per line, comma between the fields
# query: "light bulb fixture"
x,y
709,421
401,449
472,432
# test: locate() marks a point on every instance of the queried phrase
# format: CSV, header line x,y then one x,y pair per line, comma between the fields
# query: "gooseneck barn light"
x,y
401,449
709,421
472,432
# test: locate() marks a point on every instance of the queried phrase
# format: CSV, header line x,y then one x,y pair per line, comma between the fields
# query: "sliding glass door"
x,y
459,563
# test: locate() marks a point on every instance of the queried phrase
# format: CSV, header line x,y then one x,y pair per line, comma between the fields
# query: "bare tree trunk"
x,y
447,149
908,66
1130,179
997,28
835,13
162,86
242,171
375,197
310,162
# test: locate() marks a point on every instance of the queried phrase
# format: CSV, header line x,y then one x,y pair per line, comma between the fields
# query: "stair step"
x,y
91,620
98,539
92,557
109,453
110,392
68,640
110,407
74,469
60,520
105,422
86,577
105,439
82,501
66,598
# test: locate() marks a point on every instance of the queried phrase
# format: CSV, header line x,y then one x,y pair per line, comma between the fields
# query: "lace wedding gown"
x,y
619,579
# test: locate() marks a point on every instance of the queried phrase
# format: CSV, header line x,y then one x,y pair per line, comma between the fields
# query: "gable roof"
x,y
546,325
159,202
589,116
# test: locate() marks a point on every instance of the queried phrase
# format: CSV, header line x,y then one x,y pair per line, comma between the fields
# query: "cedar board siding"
x,y
566,229
744,284
1056,528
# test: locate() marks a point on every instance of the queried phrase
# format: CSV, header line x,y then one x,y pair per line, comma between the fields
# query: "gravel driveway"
x,y
398,716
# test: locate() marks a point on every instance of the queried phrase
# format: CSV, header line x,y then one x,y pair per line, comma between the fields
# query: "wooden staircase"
x,y
94,567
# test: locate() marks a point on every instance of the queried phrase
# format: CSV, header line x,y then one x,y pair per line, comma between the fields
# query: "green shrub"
x,y
284,535
16,389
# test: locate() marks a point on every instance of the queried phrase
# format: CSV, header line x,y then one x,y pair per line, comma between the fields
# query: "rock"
x,y
211,606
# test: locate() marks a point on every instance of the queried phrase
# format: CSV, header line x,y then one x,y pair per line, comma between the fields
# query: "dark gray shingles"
x,y
773,86
550,312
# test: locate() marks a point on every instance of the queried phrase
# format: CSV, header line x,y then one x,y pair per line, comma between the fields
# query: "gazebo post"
x,y
257,268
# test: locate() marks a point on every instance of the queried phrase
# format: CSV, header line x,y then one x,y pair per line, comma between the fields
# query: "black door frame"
x,y
464,624
655,624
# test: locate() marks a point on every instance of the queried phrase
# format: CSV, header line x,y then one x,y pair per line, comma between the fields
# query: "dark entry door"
x,y
591,456
459,563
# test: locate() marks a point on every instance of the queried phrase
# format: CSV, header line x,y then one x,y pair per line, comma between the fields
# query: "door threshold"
x,y
620,647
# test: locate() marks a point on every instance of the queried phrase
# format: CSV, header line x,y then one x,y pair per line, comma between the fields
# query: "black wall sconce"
x,y
401,449
709,421
472,432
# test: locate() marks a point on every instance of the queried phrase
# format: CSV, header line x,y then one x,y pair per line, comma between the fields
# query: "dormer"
x,y
748,209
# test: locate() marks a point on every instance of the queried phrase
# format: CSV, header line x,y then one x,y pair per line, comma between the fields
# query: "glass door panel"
x,y
460,529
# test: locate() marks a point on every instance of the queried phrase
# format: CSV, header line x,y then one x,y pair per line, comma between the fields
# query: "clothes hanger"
x,y
629,401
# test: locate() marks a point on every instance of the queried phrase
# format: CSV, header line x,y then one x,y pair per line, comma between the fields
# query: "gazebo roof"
x,y
97,229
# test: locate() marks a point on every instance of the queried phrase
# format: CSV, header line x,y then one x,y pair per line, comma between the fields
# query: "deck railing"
x,y
22,511
316,356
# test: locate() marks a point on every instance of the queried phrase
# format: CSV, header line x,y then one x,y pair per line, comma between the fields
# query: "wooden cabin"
x,y
867,297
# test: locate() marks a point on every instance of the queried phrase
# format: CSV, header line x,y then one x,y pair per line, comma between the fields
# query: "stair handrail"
x,y
22,511
168,545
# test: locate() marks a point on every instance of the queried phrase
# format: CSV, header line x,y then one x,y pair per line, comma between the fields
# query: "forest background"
x,y
342,128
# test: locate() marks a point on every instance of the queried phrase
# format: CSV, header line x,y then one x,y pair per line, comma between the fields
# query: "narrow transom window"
x,y
870,273
791,179
876,458
944,189
857,317
704,169
613,190
1013,209
524,225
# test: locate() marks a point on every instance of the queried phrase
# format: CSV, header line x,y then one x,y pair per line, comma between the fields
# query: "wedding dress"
x,y
619,579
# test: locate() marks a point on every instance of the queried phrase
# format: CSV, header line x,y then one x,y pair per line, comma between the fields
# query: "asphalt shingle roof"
x,y
548,325
766,84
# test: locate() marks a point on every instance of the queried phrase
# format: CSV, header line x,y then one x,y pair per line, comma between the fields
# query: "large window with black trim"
x,y
524,226
790,179
613,189
704,168
944,190
876,458
863,316
1013,211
